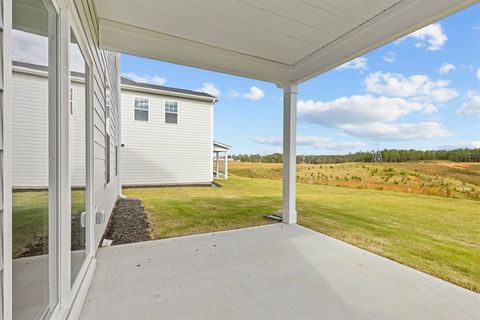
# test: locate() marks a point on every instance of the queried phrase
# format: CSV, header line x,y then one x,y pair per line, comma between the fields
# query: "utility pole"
x,y
377,155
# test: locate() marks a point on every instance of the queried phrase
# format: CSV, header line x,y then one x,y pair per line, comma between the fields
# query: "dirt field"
x,y
446,179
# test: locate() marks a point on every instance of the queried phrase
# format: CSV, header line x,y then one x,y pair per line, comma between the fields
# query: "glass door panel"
x,y
33,99
78,155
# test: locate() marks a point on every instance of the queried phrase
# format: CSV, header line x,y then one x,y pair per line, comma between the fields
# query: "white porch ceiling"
x,y
273,40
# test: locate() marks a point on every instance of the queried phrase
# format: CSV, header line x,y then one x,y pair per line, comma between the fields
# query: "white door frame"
x,y
6,156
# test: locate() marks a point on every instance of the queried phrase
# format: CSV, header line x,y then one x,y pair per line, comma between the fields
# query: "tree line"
x,y
388,155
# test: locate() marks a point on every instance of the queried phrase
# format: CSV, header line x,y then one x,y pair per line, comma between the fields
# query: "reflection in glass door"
x,y
78,155
33,100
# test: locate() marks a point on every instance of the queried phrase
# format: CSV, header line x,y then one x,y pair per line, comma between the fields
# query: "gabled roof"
x,y
131,83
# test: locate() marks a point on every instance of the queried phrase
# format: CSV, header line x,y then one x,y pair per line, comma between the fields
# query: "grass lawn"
x,y
436,235
30,216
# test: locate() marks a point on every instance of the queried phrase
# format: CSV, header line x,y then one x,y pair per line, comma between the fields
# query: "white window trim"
x,y
165,111
72,100
133,105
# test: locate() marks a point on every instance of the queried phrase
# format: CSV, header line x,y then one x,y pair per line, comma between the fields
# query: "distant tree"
x,y
388,155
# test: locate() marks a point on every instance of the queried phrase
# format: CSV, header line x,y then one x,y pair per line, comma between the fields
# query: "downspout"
x,y
119,128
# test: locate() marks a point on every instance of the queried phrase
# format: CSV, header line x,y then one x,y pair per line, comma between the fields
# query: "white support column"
x,y
217,174
289,211
225,173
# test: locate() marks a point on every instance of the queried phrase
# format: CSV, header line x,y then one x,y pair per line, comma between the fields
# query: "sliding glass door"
x,y
34,38
78,155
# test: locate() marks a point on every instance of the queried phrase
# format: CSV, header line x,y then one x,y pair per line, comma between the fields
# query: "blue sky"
x,y
422,92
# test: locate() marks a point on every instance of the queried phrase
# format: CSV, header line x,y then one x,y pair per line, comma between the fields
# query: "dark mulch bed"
x,y
128,223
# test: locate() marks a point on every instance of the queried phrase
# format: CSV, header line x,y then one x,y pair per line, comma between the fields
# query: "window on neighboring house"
x,y
171,112
72,100
140,106
116,160
107,160
108,104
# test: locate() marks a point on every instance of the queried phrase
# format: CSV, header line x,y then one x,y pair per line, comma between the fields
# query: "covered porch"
x,y
281,270
219,150
275,271
281,42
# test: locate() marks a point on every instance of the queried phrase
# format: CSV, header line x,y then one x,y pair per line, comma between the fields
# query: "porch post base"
x,y
289,216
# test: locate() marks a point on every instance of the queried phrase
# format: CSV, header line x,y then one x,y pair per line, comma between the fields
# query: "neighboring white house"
x,y
167,135
30,127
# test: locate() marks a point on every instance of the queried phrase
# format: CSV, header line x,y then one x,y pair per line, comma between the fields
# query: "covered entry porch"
x,y
219,150
276,271
281,42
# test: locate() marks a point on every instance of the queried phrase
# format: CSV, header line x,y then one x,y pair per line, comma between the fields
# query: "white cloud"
x,y
210,88
357,64
145,78
274,141
255,93
446,68
30,48
471,106
358,110
394,131
432,35
417,87
478,73
33,48
313,141
234,93
369,116
461,145
390,57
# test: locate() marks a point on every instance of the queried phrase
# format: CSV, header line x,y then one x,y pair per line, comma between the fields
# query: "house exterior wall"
x,y
103,76
159,153
106,71
30,130
106,68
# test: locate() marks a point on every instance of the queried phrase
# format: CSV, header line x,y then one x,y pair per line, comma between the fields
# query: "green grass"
x,y
30,216
436,235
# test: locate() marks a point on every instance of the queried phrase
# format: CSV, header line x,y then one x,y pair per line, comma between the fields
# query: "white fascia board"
x,y
129,39
401,19
221,146
167,93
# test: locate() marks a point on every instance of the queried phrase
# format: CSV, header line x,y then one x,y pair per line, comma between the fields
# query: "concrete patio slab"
x,y
277,271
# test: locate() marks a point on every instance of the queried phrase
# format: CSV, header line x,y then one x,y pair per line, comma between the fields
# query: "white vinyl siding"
x,y
157,153
29,131
105,69
31,146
